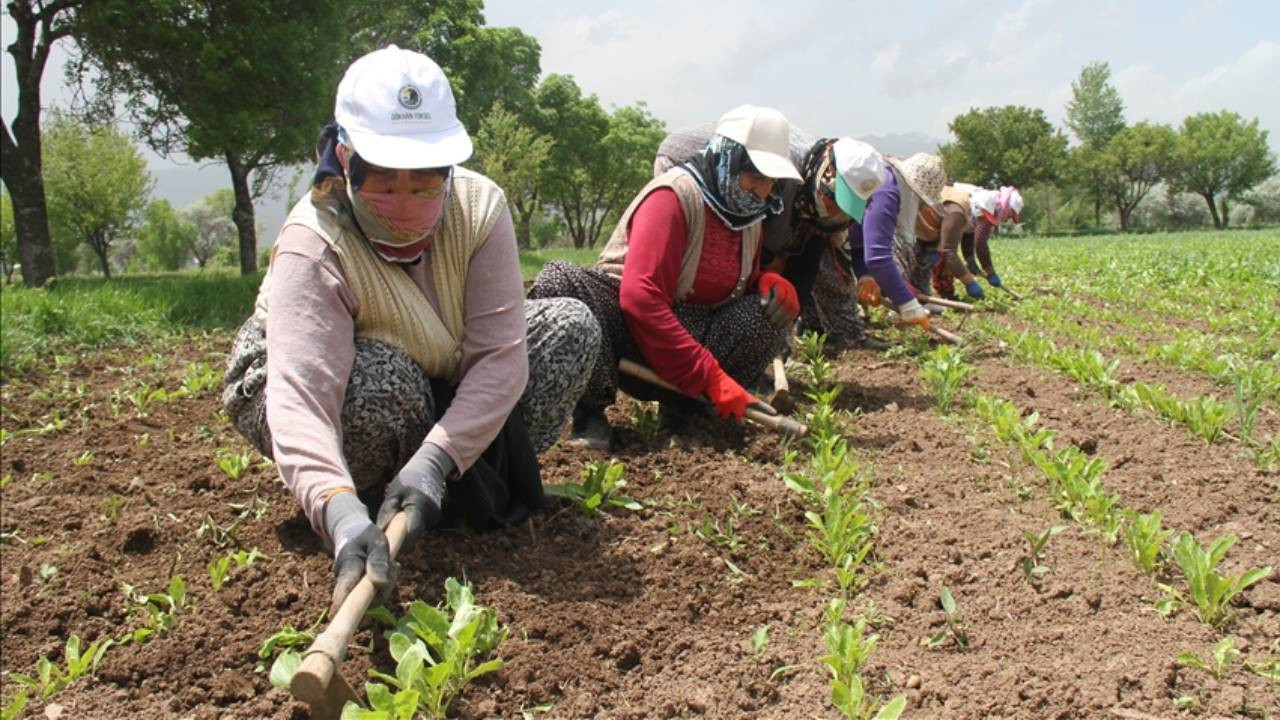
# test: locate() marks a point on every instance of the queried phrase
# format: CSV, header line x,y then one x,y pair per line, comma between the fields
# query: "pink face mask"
x,y
406,217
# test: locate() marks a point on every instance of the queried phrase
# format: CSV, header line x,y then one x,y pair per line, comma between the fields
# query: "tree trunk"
x,y
20,164
100,247
1097,211
242,215
524,222
1213,209
1226,213
1124,218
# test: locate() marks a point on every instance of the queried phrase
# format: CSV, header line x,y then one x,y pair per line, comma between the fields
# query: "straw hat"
x,y
923,173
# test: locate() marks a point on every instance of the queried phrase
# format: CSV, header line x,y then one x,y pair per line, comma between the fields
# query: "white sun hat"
x,y
765,133
859,173
398,110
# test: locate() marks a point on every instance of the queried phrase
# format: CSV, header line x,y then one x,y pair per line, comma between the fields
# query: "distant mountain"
x,y
904,144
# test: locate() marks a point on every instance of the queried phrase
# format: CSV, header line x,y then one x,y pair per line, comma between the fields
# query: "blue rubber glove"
x,y
974,289
994,280
973,267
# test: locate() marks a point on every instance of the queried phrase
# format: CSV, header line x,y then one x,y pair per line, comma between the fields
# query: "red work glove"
x,y
727,395
781,304
868,291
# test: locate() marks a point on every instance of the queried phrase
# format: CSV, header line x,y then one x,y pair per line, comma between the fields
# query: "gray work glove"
x,y
418,490
359,546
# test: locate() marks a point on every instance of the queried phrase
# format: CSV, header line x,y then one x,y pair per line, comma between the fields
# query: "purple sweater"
x,y
311,348
878,227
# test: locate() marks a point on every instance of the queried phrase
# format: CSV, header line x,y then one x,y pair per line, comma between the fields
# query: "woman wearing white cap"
x,y
808,241
972,213
899,235
391,342
679,286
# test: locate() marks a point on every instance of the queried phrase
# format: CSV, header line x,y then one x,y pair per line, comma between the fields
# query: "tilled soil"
x,y
630,614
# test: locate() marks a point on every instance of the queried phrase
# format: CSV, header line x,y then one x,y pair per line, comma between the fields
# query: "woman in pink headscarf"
x,y
973,213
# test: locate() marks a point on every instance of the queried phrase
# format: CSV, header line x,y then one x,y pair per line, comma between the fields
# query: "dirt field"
x,y
633,614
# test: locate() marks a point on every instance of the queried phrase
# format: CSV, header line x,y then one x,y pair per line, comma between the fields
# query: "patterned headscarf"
x,y
819,173
1008,204
716,169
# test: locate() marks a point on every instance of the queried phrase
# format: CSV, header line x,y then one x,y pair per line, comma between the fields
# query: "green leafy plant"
x,y
1211,593
437,652
220,537
284,641
812,349
644,418
944,372
598,489
1032,565
955,629
1223,654
1145,539
232,463
847,649
49,678
199,377
144,398
759,639
83,459
161,609
220,568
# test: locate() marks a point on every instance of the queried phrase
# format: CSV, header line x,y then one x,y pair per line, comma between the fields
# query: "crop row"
x,y
1204,416
1075,484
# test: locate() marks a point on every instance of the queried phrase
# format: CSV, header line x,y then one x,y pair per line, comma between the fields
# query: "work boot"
x,y
870,342
590,430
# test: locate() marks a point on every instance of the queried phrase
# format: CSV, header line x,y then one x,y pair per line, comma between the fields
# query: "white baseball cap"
x,y
397,109
765,133
860,172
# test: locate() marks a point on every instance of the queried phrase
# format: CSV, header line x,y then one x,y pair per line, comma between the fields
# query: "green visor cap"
x,y
850,202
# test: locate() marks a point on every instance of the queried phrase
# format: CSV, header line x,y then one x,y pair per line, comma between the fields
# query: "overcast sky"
x,y
868,68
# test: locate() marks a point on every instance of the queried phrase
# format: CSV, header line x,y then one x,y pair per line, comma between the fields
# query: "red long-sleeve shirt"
x,y
656,244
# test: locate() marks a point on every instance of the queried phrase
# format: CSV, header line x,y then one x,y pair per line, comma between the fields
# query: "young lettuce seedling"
x,y
1223,654
1211,593
598,489
1031,565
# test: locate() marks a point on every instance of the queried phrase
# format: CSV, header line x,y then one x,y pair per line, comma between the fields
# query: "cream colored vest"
x,y
391,307
614,254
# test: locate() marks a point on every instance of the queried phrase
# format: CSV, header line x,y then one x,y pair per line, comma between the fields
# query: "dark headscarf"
x,y
327,164
716,169
818,168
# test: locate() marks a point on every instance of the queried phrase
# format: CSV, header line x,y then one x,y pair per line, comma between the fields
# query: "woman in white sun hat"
x,y
385,364
899,236
808,241
679,285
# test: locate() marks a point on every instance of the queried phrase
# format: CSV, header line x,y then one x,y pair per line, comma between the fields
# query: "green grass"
x,y
77,314
84,313
531,261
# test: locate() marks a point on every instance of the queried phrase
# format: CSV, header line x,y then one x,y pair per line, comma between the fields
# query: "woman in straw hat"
x,y
385,364
899,235
808,241
679,285
971,214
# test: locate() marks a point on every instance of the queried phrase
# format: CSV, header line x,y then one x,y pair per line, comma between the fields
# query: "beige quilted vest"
x,y
614,254
391,307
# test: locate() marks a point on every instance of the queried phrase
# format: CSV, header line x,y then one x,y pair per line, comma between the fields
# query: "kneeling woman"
x,y
679,286
391,342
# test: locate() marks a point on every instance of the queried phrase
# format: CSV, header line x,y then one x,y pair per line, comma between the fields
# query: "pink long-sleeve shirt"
x,y
311,347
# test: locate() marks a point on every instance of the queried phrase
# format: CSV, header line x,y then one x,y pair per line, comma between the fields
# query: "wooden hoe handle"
x,y
953,304
759,412
311,682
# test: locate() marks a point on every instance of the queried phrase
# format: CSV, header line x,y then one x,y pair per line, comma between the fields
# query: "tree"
x,y
97,182
484,65
627,160
1263,201
40,23
166,239
1010,145
1220,156
1095,114
241,81
578,125
1134,161
212,225
8,238
515,157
